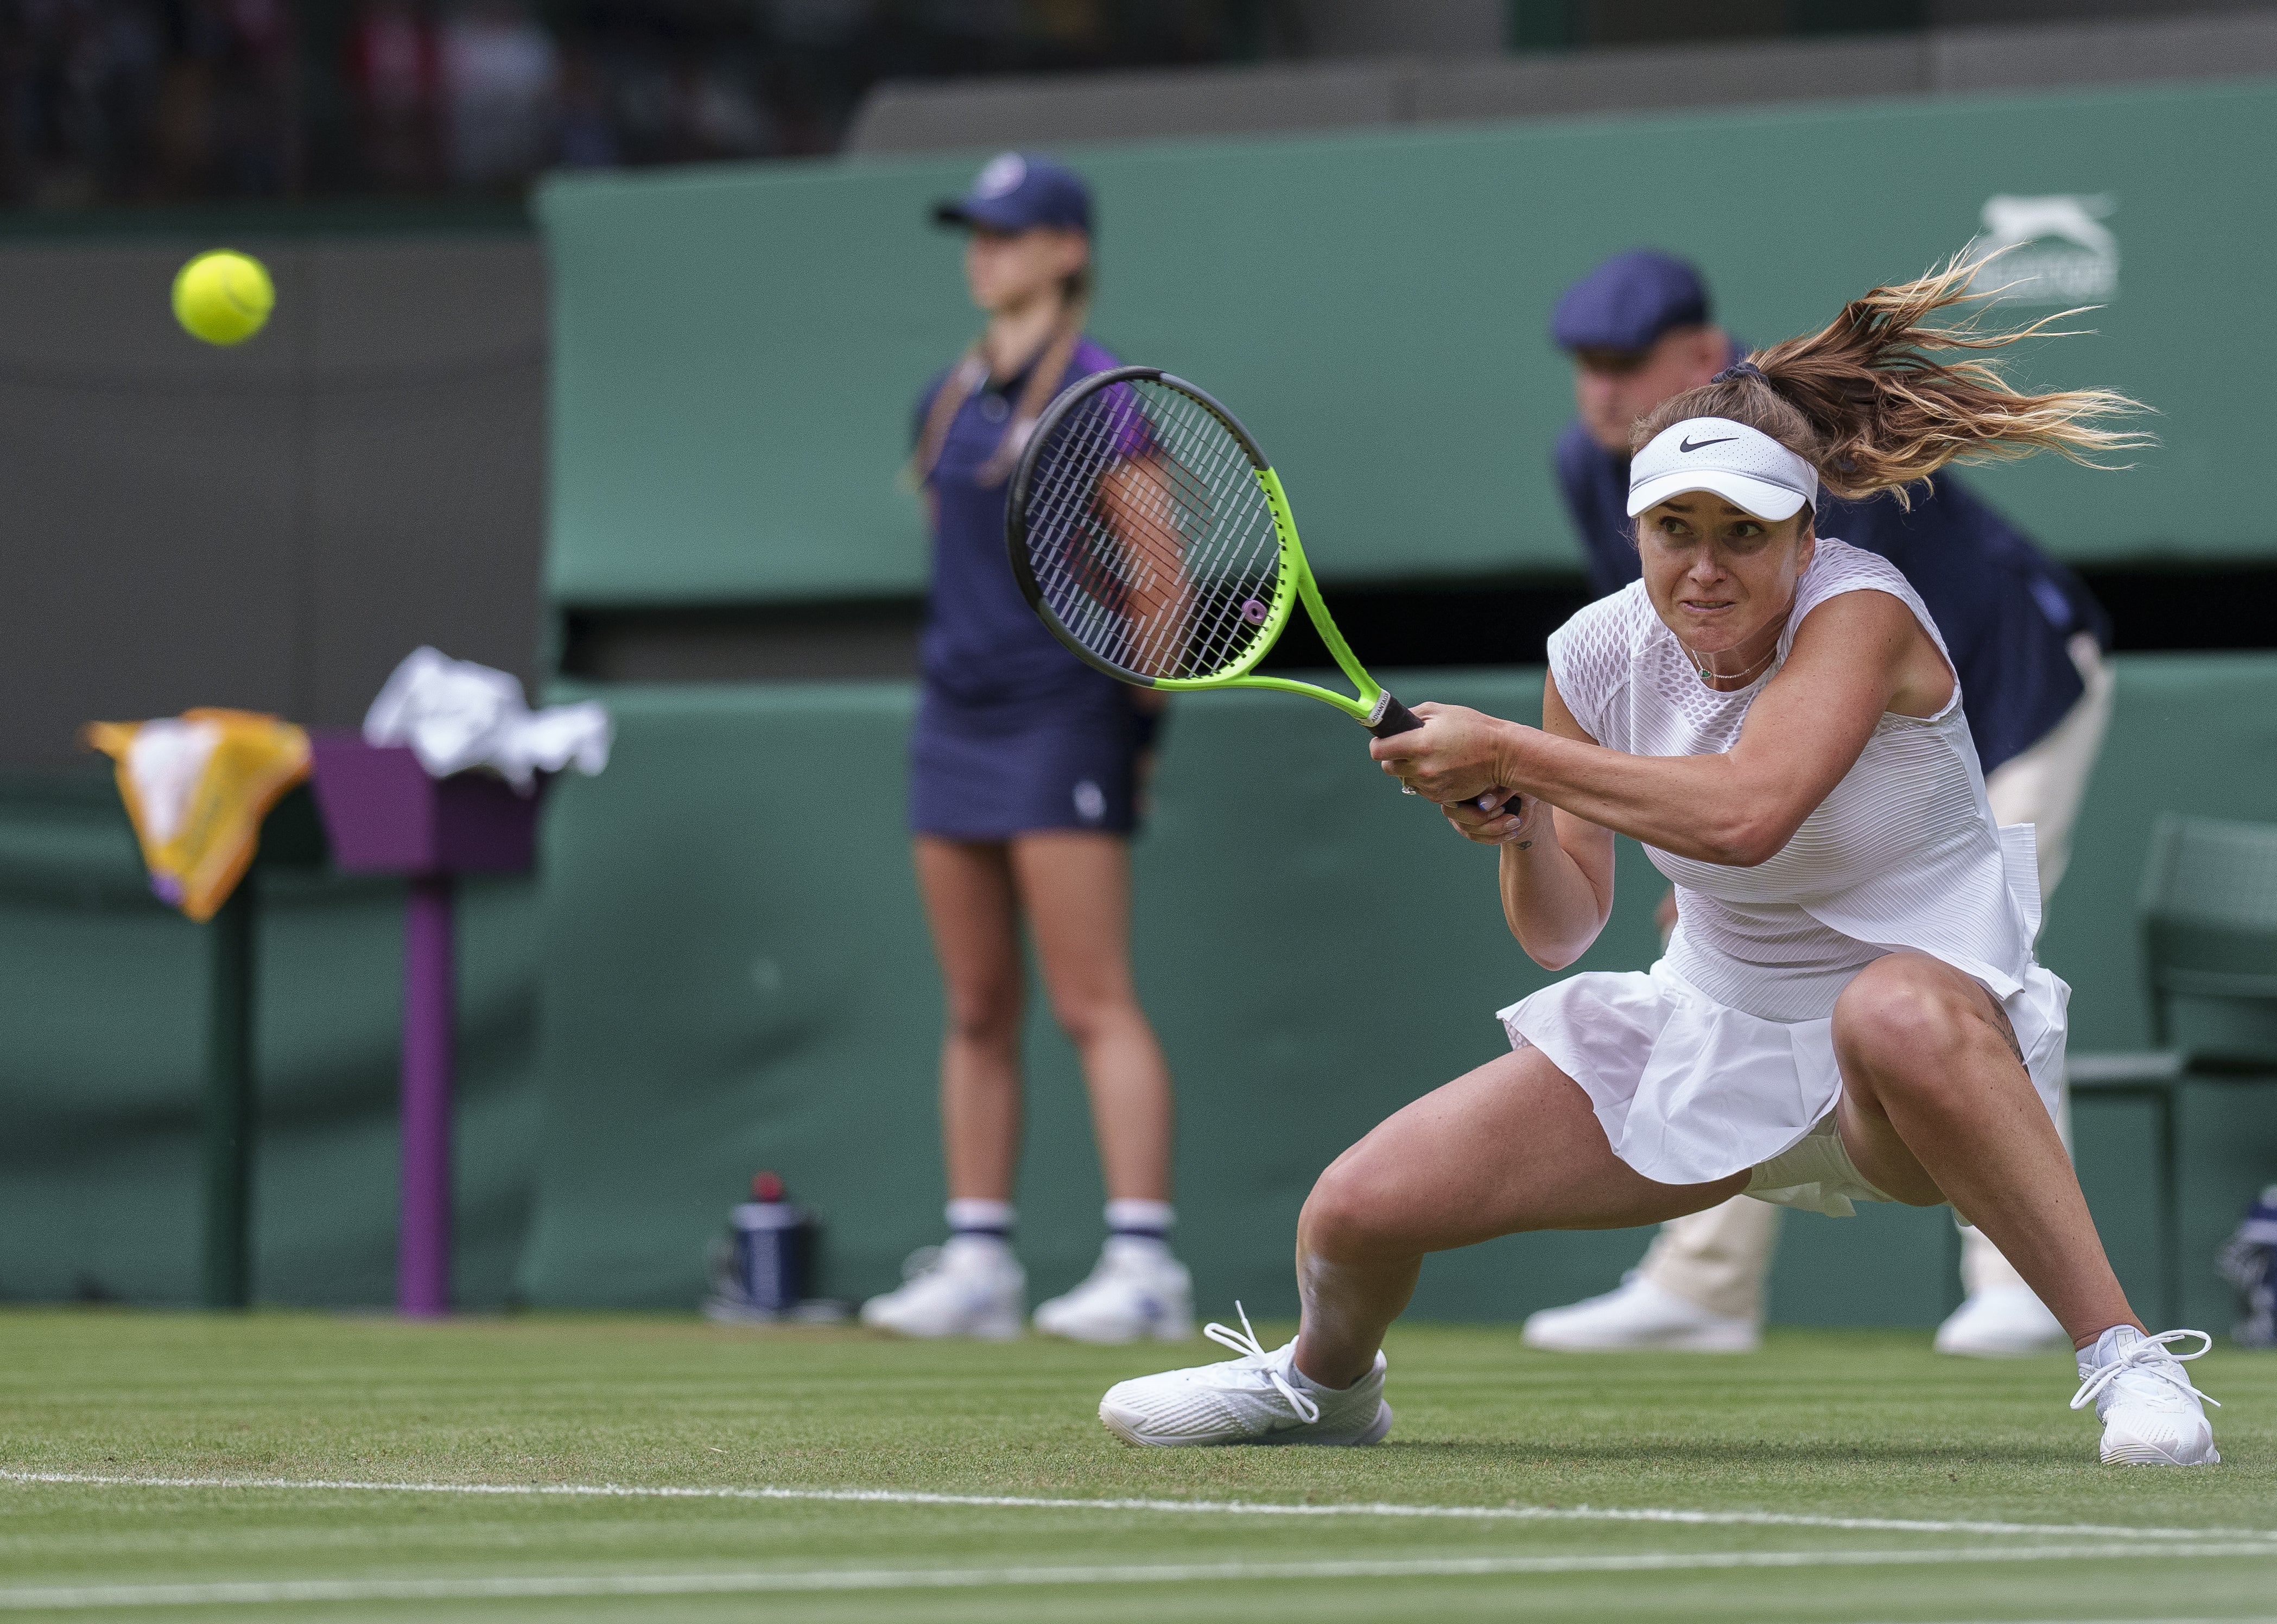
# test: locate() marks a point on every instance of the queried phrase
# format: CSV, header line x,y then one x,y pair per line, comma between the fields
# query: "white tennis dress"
x,y
1721,1057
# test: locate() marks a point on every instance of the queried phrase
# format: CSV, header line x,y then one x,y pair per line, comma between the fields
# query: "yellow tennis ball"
x,y
222,296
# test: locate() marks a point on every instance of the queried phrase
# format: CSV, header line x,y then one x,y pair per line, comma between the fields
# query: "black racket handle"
x,y
1397,719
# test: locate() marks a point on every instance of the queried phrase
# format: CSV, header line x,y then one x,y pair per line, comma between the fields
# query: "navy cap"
x,y
1628,302
1018,191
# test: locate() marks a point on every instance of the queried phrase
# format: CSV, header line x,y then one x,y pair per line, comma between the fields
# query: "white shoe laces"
x,y
1245,1342
2152,1356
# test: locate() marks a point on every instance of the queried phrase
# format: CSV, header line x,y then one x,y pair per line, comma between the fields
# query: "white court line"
x,y
252,1592
1264,1508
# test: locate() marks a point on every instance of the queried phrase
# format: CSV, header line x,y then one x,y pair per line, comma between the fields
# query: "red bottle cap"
x,y
767,1187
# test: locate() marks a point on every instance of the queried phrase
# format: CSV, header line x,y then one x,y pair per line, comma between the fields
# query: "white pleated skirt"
x,y
1689,1090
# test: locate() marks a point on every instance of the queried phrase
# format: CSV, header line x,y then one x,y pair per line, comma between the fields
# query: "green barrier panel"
x,y
102,1082
736,350
737,977
2190,733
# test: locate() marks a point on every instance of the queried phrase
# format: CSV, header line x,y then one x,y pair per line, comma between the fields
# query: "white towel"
x,y
455,714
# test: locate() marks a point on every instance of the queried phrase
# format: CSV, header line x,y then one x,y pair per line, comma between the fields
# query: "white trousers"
x,y
1720,1258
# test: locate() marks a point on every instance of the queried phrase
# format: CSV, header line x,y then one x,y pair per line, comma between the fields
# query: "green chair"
x,y
2208,911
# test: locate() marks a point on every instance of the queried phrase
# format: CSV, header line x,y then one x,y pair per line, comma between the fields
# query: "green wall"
x,y
737,977
102,1052
736,350
723,967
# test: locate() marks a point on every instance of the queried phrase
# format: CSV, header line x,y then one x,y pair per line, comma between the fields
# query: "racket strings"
x,y
1077,574
1105,554
1152,531
1149,535
1217,623
1186,504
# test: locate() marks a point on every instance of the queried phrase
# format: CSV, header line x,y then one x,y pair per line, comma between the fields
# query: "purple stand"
x,y
386,816
423,1247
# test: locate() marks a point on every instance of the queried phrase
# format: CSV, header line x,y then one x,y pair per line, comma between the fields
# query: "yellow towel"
x,y
197,787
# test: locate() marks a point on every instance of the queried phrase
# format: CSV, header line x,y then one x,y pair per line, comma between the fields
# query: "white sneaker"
x,y
1137,1290
967,1288
2001,1322
2151,1413
1261,1398
1640,1315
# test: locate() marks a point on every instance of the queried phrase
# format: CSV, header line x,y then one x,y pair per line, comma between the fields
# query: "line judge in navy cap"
x,y
1025,771
2029,644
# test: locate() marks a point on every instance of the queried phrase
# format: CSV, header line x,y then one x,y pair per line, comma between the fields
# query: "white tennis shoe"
x,y
2001,1322
1136,1290
1639,1315
1261,1398
2150,1414
967,1288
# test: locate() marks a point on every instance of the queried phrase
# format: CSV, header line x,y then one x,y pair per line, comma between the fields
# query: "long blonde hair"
x,y
1866,402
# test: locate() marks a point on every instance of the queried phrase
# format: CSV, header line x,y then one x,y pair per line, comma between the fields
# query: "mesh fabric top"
x,y
1902,852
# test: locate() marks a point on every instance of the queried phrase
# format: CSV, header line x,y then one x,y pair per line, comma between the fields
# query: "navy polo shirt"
x,y
982,643
2004,607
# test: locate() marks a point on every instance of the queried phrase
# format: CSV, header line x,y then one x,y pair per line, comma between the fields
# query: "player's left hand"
x,y
1456,755
1520,820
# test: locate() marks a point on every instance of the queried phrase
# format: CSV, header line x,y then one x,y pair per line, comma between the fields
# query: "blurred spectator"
x,y
395,74
816,24
131,100
83,92
724,120
588,134
501,75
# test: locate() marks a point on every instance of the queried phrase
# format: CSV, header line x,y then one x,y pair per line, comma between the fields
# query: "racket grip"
x,y
1396,718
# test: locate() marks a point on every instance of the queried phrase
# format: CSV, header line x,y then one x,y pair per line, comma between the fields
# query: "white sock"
x,y
1306,1382
978,1228
1139,1228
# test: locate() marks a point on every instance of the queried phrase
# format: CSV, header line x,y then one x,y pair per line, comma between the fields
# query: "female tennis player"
x,y
1849,1010
1027,766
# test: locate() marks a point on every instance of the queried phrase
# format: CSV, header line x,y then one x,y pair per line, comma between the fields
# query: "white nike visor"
x,y
1744,466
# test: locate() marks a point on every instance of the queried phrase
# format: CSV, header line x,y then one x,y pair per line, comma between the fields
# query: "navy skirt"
x,y
988,771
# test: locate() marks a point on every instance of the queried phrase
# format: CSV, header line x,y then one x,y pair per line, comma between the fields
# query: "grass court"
x,y
164,1465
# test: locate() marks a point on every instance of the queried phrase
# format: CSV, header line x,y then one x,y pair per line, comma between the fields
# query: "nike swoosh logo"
x,y
1703,445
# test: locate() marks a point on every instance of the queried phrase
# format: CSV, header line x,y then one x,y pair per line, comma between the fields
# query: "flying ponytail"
x,y
1867,400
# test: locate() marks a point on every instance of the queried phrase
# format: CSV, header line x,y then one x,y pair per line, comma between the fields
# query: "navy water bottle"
x,y
769,1247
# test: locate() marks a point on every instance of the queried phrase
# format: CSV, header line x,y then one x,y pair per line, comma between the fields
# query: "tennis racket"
x,y
1151,534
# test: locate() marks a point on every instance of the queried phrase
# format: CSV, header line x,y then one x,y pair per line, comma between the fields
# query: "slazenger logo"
x,y
2060,251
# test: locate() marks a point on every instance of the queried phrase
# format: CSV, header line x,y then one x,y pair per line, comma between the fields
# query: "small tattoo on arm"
x,y
1523,844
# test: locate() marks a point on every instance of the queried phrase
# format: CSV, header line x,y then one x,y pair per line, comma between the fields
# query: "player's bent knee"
x,y
1345,1215
1903,1024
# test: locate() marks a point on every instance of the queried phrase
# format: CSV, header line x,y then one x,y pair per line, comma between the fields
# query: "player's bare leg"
x,y
1512,1146
1937,1105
